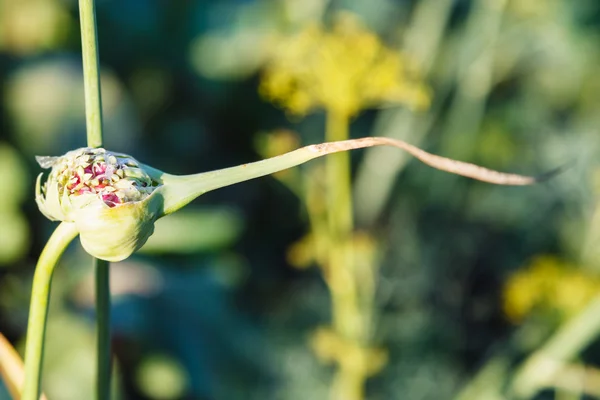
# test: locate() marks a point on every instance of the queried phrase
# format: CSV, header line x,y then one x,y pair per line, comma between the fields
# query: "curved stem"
x,y
178,191
38,309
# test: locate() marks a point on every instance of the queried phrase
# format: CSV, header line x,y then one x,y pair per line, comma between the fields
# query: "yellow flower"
x,y
520,295
548,284
344,70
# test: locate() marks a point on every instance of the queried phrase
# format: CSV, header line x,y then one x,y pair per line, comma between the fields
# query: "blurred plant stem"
x,y
543,366
338,178
380,167
350,321
548,366
93,114
339,257
339,215
12,370
38,308
474,78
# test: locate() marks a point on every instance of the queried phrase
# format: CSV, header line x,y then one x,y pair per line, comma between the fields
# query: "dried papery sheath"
x,y
90,177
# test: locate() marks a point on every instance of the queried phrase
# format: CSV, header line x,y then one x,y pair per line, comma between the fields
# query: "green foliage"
x,y
14,231
514,86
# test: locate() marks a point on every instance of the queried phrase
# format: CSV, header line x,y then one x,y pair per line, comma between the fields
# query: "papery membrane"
x,y
90,177
107,196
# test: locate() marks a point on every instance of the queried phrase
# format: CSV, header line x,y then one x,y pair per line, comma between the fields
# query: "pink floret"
x,y
99,169
111,199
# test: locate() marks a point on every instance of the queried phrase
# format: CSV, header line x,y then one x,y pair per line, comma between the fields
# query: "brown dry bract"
x,y
435,161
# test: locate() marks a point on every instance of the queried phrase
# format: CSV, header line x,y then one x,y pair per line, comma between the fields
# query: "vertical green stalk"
x,y
91,74
339,206
103,360
93,114
348,385
338,176
38,308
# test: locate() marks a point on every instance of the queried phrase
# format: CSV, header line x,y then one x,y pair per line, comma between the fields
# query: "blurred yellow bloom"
x,y
531,8
276,143
548,284
330,347
30,26
344,70
303,253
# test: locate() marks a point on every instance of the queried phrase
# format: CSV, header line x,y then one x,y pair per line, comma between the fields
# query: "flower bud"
x,y
106,194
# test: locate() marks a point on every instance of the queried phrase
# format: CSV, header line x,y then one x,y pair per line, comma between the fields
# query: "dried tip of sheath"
x,y
551,174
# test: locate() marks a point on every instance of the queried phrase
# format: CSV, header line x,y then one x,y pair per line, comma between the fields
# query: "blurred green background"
x,y
472,278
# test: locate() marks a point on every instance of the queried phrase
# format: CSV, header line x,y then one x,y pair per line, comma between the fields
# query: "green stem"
x,y
338,179
341,277
541,368
38,311
91,74
93,114
103,360
339,211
